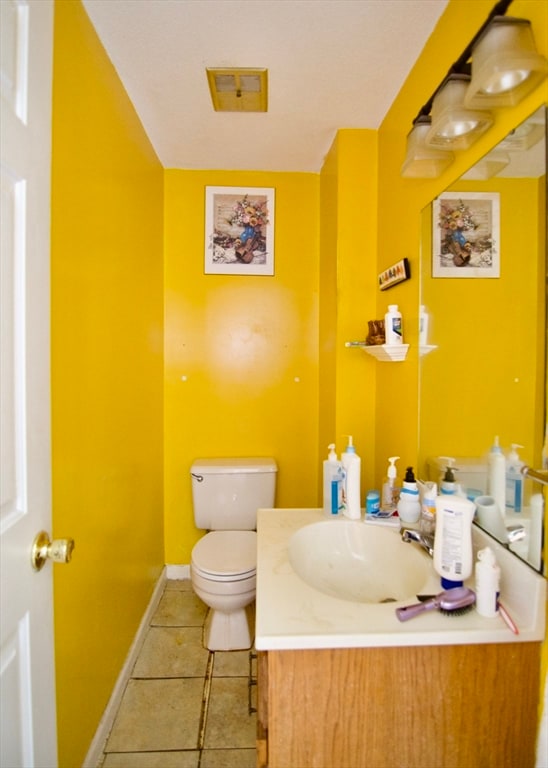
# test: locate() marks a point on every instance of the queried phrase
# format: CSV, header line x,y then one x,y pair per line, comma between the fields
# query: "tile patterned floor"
x,y
184,706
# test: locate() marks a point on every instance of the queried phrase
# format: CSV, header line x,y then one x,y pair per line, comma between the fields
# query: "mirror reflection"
x,y
483,332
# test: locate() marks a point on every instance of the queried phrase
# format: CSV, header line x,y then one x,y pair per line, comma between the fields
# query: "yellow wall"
x,y
107,329
241,370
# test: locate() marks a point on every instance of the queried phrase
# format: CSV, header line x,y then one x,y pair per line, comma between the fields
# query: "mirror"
x,y
483,342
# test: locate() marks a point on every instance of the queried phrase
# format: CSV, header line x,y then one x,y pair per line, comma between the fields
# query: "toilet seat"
x,y
226,555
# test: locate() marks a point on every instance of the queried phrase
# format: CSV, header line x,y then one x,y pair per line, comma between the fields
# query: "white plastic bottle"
x,y
390,488
514,480
428,508
423,326
409,507
352,469
453,540
536,504
487,583
393,328
332,484
496,480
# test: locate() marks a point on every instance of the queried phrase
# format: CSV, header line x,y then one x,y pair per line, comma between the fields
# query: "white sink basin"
x,y
358,562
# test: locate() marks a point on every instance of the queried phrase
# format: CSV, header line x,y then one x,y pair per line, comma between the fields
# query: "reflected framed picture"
x,y
466,235
239,231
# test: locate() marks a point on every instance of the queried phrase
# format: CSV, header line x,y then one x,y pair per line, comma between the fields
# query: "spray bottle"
x,y
390,488
352,469
332,484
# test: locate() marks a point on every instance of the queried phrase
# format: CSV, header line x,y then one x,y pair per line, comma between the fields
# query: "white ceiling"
x,y
331,64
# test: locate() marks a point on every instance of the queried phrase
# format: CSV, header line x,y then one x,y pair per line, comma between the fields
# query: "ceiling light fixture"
x,y
242,89
497,68
505,64
453,125
422,161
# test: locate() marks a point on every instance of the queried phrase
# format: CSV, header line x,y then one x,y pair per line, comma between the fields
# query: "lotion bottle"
x,y
390,488
409,507
453,540
514,480
352,469
332,484
393,330
487,583
496,480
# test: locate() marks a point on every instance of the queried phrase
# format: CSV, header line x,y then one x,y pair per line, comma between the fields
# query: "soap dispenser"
x,y
409,508
390,488
332,484
352,469
448,484
514,480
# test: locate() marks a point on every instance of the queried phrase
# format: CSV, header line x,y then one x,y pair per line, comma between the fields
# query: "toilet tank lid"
x,y
226,466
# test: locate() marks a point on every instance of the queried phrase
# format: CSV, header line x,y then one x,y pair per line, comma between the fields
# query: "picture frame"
x,y
239,231
395,274
466,235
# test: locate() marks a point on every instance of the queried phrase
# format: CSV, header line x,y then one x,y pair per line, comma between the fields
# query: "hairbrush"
x,y
451,601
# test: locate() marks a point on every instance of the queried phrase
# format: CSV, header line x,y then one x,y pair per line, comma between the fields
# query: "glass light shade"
x,y
453,125
487,167
505,64
422,162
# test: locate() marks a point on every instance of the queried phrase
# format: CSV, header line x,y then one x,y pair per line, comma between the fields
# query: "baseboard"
x,y
178,571
95,751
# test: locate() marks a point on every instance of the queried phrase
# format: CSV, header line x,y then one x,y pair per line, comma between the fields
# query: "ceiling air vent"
x,y
238,90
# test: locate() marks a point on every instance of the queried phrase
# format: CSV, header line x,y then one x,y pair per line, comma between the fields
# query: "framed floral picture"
x,y
239,231
466,235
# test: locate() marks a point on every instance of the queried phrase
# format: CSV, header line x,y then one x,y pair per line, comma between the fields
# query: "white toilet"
x,y
226,494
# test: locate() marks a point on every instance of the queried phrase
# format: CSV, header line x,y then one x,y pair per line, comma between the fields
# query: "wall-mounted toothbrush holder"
x,y
391,353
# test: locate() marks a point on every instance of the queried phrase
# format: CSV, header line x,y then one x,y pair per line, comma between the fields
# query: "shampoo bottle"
x,y
453,540
332,484
390,488
409,507
487,583
496,480
393,329
352,469
514,480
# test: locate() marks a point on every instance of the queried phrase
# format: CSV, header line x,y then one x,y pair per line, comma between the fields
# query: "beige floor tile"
x,y
229,758
231,664
158,715
179,609
183,585
153,760
229,723
172,652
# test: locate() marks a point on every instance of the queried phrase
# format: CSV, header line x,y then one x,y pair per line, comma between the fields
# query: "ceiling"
x,y
331,64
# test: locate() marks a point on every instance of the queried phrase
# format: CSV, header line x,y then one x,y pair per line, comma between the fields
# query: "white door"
x,y
28,724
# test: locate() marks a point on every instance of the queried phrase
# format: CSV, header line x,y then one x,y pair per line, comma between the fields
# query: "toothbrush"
x,y
507,618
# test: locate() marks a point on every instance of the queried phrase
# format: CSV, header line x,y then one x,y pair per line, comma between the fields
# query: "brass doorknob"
x,y
58,550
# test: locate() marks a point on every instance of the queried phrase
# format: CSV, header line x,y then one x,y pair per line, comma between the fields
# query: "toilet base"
x,y
227,631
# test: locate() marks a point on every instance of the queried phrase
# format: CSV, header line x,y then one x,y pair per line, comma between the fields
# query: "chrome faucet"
x,y
425,540
540,475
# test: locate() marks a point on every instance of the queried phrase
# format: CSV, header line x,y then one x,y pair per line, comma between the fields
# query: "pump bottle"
x,y
514,480
390,488
448,485
409,508
393,329
332,484
352,469
496,482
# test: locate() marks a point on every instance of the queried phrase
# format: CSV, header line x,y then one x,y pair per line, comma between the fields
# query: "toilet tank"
x,y
226,493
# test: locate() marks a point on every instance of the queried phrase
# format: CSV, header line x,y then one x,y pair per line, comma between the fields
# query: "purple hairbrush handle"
x,y
410,611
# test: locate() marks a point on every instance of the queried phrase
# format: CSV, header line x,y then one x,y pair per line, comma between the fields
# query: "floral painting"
x,y
239,231
466,236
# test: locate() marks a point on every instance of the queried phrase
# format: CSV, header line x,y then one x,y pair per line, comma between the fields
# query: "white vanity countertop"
x,y
292,615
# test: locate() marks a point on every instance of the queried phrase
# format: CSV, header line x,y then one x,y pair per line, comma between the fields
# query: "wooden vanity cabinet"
x,y
461,706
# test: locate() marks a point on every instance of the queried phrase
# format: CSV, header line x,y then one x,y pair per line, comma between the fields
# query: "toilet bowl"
x,y
223,574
